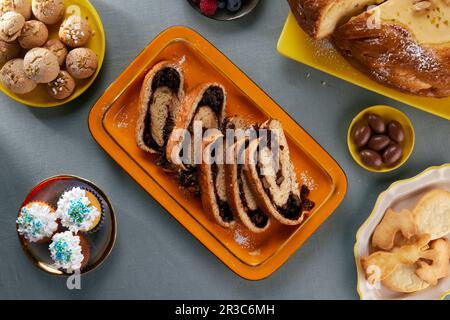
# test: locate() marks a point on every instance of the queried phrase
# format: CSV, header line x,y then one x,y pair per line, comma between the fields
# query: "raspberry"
x,y
208,7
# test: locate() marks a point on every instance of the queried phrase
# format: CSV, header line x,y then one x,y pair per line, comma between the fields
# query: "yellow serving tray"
x,y
295,44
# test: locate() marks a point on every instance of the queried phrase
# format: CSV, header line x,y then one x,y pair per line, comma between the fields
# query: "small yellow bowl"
x,y
39,96
388,114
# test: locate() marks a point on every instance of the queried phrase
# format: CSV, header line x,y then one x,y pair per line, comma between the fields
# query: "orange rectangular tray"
x,y
112,124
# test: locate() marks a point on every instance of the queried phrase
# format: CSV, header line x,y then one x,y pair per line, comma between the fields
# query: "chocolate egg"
x,y
376,123
392,154
371,158
379,142
362,135
396,131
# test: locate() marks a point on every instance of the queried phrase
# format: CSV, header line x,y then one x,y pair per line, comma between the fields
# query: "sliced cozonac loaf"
x,y
212,180
240,196
159,103
206,105
271,176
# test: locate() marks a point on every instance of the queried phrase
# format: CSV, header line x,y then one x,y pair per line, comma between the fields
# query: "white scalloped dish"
x,y
400,195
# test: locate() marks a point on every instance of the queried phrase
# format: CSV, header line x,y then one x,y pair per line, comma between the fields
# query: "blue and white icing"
x,y
65,251
36,221
76,211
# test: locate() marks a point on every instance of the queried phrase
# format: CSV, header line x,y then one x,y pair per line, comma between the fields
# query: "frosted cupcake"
x,y
69,252
37,222
80,210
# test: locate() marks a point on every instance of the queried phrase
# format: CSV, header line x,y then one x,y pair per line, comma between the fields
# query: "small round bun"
x,y
62,87
34,34
81,63
58,49
11,24
48,11
75,32
20,6
14,78
8,51
41,65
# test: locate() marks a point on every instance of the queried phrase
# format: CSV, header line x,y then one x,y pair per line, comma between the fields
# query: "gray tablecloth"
x,y
155,257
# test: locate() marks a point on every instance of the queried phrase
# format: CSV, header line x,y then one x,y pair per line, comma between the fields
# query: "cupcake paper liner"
x,y
102,210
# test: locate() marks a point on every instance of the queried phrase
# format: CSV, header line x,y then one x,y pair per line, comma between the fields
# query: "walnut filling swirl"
x,y
272,176
208,111
282,186
159,120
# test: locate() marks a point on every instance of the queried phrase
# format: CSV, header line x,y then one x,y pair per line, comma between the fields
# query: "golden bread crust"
x,y
309,13
319,18
392,56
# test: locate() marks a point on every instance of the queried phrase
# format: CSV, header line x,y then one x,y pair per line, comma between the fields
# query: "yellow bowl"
x,y
388,114
39,96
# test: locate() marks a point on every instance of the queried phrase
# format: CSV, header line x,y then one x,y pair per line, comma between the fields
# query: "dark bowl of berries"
x,y
224,10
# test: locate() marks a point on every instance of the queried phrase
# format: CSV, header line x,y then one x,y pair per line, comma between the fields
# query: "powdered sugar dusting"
x,y
421,59
181,61
323,48
323,45
425,62
307,180
122,121
241,239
